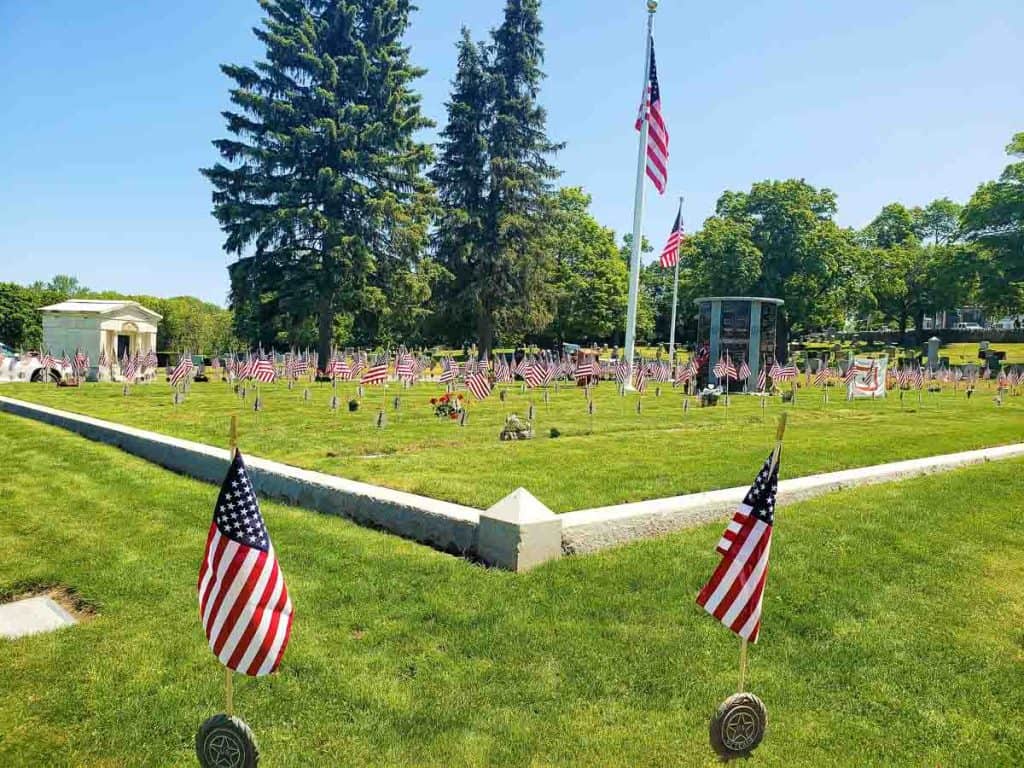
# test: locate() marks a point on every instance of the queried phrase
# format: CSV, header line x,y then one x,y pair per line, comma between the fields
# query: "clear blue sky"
x,y
107,110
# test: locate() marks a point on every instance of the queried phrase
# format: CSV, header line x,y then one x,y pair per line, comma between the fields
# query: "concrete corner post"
x,y
518,533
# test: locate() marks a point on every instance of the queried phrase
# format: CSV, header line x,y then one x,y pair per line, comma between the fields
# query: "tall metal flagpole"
x,y
638,206
675,296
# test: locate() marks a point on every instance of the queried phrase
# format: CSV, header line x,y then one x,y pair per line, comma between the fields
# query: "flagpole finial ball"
x,y
738,726
652,6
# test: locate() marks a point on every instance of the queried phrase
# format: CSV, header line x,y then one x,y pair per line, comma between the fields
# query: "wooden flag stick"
x,y
229,697
743,665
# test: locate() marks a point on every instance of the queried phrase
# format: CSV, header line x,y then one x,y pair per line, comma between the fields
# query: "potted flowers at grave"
x,y
447,406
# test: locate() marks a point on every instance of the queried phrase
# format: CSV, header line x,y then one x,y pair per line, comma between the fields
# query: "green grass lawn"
x,y
892,633
660,452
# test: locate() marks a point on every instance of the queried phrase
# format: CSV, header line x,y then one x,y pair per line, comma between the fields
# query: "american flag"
x,y
375,374
104,362
548,371
725,368
736,590
622,371
338,368
129,367
661,371
584,369
243,600
744,372
449,370
762,377
502,373
479,385
181,370
245,368
149,361
262,370
534,374
640,380
821,377
851,374
787,372
81,361
405,366
686,372
670,253
657,131
358,365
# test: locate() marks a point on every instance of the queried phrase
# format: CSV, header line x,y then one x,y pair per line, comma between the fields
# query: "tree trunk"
x,y
326,329
903,327
484,333
919,326
781,337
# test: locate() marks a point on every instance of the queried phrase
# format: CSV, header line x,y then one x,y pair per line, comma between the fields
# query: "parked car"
x,y
15,367
968,327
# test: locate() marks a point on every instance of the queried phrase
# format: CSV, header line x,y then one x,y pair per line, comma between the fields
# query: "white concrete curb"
x,y
449,527
517,533
590,530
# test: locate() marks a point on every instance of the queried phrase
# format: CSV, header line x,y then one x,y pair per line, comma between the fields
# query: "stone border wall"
x,y
517,533
590,530
446,526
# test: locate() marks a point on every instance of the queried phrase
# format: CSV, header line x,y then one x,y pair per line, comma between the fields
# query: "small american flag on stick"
x,y
735,592
375,374
243,601
479,385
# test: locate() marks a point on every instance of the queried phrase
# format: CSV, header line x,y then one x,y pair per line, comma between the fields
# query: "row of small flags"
x,y
534,371
539,371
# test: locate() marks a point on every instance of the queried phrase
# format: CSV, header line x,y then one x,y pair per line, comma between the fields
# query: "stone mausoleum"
x,y
94,326
743,326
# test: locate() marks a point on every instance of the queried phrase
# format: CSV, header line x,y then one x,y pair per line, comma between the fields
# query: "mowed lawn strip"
x,y
623,457
892,632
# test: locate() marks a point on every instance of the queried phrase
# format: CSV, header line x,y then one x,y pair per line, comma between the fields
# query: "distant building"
x,y
1010,323
744,327
953,318
93,326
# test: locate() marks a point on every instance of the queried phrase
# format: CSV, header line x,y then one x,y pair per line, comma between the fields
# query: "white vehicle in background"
x,y
25,367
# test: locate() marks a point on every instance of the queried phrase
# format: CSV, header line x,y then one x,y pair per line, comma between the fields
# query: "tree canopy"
x,y
322,186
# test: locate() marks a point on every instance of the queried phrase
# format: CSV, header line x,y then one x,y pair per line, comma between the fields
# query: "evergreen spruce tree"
x,y
517,297
461,178
322,189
